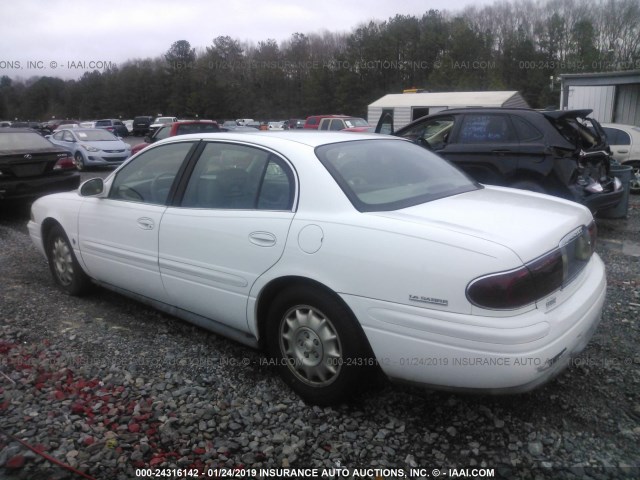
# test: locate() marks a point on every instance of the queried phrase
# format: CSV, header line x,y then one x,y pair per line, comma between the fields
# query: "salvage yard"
x,y
107,386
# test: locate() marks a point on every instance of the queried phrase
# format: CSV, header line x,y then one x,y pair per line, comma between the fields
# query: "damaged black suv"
x,y
562,153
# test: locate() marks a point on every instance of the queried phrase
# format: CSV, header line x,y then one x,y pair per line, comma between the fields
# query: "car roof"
x,y
311,139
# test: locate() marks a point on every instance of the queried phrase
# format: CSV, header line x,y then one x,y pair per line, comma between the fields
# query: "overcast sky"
x,y
67,35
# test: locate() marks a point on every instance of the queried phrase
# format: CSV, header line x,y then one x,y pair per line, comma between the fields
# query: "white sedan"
x,y
624,141
341,255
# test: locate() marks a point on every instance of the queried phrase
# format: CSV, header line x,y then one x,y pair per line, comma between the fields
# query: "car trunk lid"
x,y
29,163
527,223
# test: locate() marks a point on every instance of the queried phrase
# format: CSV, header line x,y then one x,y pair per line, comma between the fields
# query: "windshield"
x,y
382,175
95,136
355,122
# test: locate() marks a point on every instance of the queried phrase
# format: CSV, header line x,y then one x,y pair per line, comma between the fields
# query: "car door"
x,y
230,227
64,139
118,234
484,145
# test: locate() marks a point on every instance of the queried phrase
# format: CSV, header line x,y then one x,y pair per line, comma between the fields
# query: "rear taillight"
x,y
65,163
538,278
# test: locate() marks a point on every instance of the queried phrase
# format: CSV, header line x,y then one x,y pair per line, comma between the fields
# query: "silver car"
x,y
92,147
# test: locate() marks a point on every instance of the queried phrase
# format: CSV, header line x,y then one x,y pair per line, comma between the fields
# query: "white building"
x,y
406,107
614,97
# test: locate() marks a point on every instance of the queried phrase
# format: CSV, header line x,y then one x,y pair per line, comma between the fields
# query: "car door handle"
x,y
501,151
146,223
622,151
262,239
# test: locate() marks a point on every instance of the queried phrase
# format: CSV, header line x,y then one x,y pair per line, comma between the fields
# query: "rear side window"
x,y
239,177
525,131
312,120
23,141
616,136
482,128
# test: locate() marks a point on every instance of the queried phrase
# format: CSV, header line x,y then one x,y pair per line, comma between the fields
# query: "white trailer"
x,y
406,107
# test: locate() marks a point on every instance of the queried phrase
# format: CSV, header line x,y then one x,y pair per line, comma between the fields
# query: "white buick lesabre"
x,y
339,254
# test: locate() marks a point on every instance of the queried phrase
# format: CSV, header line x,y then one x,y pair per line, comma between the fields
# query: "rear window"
x,y
23,141
383,175
580,132
103,123
197,128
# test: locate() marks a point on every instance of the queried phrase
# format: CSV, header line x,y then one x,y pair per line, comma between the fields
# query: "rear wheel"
x,y
634,183
64,266
320,349
529,185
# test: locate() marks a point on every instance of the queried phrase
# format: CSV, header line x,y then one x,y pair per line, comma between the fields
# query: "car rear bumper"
x,y
506,355
27,188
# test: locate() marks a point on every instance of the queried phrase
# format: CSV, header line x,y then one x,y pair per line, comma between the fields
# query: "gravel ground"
x,y
108,386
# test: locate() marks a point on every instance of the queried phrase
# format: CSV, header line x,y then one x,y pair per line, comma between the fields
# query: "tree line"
x,y
523,45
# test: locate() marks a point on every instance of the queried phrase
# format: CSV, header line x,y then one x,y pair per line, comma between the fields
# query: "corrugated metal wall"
x,y
600,99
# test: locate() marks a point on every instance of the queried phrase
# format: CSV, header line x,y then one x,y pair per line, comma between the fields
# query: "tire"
x,y
79,161
317,345
529,185
64,266
634,183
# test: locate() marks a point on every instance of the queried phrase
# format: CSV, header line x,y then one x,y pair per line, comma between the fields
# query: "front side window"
x,y
382,175
231,176
337,125
435,132
67,137
148,178
162,133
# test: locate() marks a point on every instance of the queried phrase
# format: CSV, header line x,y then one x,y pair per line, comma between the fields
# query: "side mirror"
x,y
92,188
147,139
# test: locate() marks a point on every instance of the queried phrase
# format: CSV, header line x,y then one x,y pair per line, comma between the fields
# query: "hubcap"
x,y
62,261
310,346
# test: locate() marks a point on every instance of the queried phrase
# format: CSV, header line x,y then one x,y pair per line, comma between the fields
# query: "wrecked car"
x,y
560,152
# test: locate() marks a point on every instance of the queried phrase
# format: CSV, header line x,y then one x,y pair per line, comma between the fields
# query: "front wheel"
x,y
79,161
319,347
64,266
